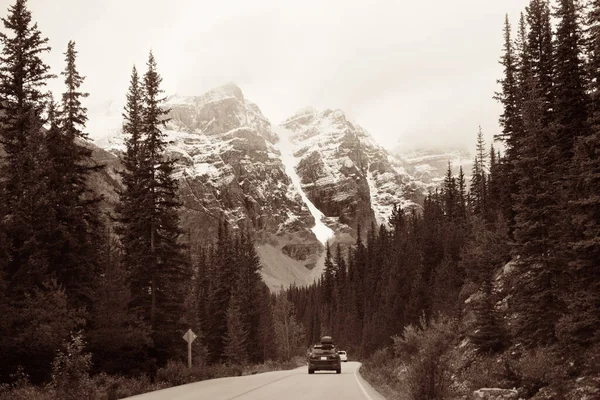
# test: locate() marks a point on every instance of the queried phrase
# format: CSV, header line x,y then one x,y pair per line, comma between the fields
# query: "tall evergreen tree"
x,y
451,195
249,292
580,325
149,219
134,230
328,275
23,76
220,291
508,96
235,350
462,193
73,254
169,271
570,99
485,251
538,56
535,294
289,334
117,338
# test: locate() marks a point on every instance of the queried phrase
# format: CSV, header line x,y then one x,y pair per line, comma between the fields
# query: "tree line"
x,y
537,203
125,282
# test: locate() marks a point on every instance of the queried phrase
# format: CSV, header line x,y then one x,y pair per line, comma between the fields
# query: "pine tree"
x,y
150,221
475,191
508,96
462,193
538,57
26,216
31,346
117,338
494,185
580,324
249,292
224,280
289,334
266,327
73,255
535,292
134,230
505,178
570,100
341,271
478,187
235,340
328,275
169,270
485,251
450,195
571,111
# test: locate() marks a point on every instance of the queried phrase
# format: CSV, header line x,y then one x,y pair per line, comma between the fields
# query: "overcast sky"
x,y
414,73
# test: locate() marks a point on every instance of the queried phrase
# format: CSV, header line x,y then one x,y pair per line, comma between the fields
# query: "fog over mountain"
x,y
411,73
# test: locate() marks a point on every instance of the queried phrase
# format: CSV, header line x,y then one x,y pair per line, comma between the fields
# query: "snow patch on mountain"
x,y
286,148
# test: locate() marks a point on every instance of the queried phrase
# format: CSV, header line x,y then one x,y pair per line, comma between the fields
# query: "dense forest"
x,y
536,203
83,289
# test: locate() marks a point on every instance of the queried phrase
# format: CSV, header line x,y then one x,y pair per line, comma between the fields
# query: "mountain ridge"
x,y
230,166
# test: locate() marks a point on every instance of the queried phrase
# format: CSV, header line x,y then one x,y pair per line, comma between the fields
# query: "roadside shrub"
x,y
425,351
175,373
71,371
538,368
28,392
104,386
486,372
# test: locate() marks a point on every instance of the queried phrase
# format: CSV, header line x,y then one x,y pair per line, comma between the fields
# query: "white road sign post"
x,y
189,337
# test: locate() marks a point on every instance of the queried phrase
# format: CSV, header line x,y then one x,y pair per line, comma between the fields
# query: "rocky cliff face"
x,y
348,176
230,165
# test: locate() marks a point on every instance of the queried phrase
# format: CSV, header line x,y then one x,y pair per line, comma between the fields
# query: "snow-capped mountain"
x,y
311,179
346,174
431,165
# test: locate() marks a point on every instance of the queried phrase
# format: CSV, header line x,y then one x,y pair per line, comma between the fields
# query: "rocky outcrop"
x,y
495,394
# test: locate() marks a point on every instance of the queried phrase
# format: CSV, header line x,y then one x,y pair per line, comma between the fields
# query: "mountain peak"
x,y
228,90
220,93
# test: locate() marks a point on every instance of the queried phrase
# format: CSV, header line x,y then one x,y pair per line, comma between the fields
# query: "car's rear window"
x,y
323,351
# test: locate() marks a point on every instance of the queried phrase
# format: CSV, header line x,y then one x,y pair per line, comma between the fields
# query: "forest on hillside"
x,y
536,205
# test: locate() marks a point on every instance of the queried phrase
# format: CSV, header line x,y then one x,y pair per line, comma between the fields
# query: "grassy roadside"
x,y
381,371
103,386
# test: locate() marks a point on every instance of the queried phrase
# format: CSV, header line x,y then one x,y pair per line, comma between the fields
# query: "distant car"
x,y
324,357
343,356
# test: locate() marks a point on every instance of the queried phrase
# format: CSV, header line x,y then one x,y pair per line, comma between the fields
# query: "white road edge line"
x,y
362,388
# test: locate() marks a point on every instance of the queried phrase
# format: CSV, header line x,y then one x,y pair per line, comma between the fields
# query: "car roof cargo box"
x,y
326,340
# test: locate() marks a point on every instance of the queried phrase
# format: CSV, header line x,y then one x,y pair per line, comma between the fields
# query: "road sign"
x,y
189,337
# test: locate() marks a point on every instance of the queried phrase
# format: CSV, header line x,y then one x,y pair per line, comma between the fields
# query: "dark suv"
x,y
324,357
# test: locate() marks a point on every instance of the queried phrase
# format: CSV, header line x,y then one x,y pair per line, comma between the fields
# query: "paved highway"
x,y
279,385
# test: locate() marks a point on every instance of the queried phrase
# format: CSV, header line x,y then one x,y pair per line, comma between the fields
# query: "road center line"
x,y
237,396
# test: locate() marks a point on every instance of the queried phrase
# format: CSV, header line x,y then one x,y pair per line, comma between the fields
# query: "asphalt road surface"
x,y
279,385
